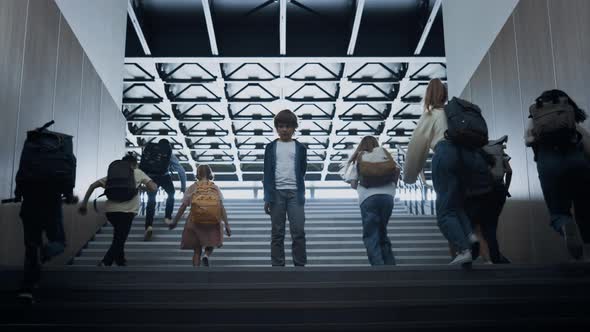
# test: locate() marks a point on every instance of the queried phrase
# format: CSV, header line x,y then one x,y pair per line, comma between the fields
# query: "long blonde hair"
x,y
436,95
367,144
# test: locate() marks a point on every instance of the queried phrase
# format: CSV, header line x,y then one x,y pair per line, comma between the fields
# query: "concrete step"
x,y
226,261
229,243
178,297
309,229
159,237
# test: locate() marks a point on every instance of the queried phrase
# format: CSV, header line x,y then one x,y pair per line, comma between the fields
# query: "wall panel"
x,y
38,81
88,131
66,106
514,229
13,15
466,94
481,94
569,40
111,137
537,74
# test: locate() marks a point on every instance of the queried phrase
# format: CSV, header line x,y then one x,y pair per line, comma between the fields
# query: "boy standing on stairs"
x,y
285,164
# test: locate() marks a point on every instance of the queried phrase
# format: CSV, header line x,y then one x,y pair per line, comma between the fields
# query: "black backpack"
x,y
47,159
554,119
155,159
466,125
120,186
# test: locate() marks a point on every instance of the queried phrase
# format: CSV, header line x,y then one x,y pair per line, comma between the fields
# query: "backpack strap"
x,y
94,202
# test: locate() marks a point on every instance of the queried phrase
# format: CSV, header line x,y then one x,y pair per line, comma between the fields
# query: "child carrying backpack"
x,y
45,179
203,224
555,134
453,132
121,189
374,174
484,209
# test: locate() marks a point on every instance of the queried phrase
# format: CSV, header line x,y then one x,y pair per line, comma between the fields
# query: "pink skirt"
x,y
202,235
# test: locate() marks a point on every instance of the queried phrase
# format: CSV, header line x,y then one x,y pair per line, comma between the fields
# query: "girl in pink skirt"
x,y
196,235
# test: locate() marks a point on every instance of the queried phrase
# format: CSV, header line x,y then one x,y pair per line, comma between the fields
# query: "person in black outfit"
x,y
41,211
164,181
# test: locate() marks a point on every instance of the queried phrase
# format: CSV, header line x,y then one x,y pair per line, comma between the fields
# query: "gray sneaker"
x,y
147,236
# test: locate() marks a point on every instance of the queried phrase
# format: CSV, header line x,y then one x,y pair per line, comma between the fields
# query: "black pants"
x,y
164,181
121,222
485,210
42,213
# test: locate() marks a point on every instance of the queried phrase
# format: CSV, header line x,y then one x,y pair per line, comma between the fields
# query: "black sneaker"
x,y
205,260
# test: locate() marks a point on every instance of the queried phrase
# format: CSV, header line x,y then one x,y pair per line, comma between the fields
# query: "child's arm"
x,y
179,214
97,184
224,218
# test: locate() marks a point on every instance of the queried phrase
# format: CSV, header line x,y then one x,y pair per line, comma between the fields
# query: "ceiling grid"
x,y
218,109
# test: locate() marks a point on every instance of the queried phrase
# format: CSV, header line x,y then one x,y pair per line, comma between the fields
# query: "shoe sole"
x,y
148,235
573,242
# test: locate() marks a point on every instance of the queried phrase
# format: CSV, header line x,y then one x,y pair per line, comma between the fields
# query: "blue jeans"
x,y
375,212
164,181
565,180
286,205
447,173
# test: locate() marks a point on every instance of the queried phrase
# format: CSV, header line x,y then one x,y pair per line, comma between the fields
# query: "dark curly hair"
x,y
554,95
130,158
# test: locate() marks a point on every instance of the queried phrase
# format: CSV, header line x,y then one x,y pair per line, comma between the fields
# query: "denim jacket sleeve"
x,y
303,164
176,167
268,176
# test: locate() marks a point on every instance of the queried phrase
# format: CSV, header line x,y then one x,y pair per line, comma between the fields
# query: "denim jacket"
x,y
270,163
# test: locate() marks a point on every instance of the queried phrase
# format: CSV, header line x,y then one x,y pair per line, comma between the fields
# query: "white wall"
x,y
471,26
100,27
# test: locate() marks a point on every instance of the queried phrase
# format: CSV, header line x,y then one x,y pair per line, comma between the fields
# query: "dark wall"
x,y
543,45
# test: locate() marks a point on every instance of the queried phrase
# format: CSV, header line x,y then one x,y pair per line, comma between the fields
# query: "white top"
x,y
429,131
132,205
364,193
285,170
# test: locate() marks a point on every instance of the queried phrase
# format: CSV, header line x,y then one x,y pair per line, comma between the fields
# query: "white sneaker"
x,y
168,221
462,258
148,234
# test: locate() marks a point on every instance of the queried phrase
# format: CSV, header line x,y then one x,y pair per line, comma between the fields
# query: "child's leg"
x,y
208,251
197,257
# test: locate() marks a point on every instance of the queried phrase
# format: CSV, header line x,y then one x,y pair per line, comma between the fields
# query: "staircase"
x,y
337,291
412,298
333,232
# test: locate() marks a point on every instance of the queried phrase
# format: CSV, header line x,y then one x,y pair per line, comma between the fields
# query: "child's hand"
x,y
267,208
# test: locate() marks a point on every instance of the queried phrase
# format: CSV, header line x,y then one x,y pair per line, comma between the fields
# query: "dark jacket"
x,y
270,163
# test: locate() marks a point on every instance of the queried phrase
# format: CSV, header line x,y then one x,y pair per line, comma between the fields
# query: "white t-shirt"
x,y
285,171
132,205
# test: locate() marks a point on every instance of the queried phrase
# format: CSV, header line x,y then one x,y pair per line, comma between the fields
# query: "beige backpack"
x,y
377,168
205,204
